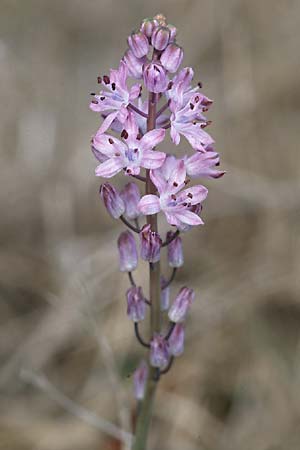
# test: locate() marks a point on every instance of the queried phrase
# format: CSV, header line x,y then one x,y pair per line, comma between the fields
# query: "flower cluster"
x,y
135,118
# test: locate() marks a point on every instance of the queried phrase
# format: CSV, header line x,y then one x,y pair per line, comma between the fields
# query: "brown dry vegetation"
x,y
63,330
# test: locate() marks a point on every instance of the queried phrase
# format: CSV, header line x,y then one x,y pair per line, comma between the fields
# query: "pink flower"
x,y
173,201
203,165
130,154
116,98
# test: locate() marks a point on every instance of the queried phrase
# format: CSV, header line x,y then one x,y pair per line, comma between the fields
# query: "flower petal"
x,y
158,180
177,177
107,122
149,204
109,168
188,217
152,159
175,136
108,145
152,138
197,194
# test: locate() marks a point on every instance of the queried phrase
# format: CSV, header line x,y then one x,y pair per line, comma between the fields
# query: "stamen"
x,y
200,84
175,184
135,150
106,79
93,94
139,136
184,204
170,85
192,106
197,99
173,197
110,140
113,86
95,102
102,98
117,154
124,134
99,80
190,195
187,181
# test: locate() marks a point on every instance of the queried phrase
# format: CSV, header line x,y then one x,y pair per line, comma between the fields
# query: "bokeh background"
x,y
67,351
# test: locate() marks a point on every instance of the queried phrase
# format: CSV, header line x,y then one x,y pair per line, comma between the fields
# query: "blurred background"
x,y
67,351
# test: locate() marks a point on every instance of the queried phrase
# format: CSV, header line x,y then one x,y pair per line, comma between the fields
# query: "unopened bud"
x,y
148,26
171,57
128,256
173,32
176,340
131,196
138,44
181,304
159,351
175,252
150,244
160,38
139,380
112,200
155,78
136,305
164,295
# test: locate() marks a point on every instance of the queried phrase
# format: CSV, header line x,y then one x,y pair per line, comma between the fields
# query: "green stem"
x,y
145,413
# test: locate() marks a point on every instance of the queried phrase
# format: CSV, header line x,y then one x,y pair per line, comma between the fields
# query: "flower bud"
x,y
164,295
136,305
138,44
134,65
176,340
155,78
139,380
148,26
160,38
159,351
173,32
131,196
112,200
127,252
175,253
181,304
150,244
171,57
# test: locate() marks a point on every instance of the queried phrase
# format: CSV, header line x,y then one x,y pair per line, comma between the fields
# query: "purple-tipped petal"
x,y
172,57
139,44
149,204
150,244
155,78
189,218
158,180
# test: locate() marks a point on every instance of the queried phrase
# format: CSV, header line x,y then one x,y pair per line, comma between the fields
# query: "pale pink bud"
x,y
134,64
155,78
128,256
148,26
173,32
176,340
150,244
181,304
131,197
112,200
175,252
139,380
136,305
164,295
160,38
138,44
159,351
171,58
